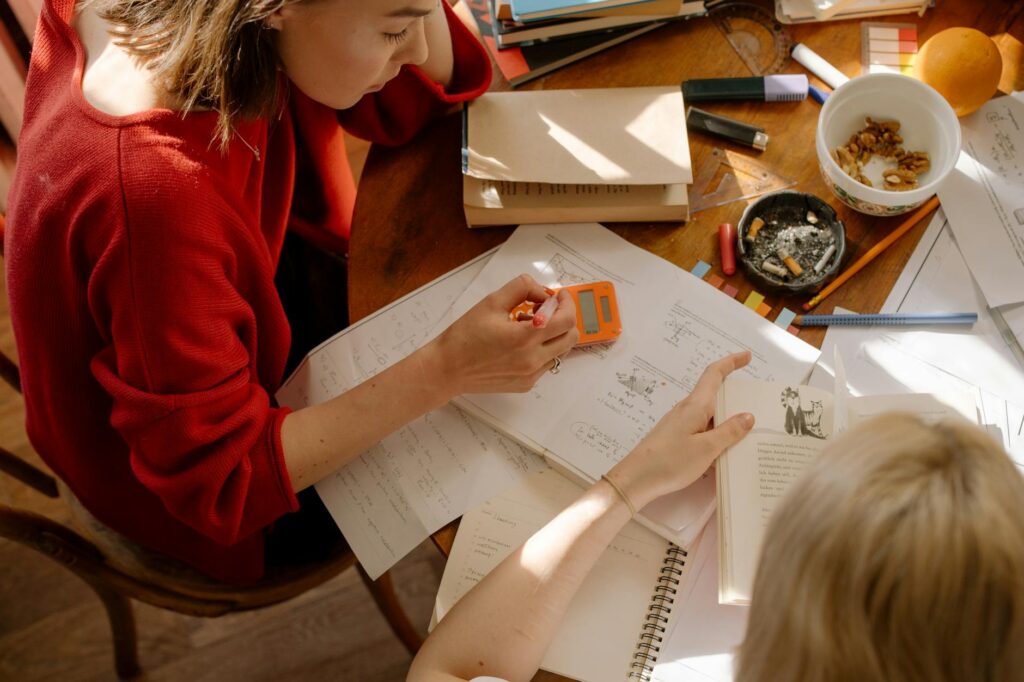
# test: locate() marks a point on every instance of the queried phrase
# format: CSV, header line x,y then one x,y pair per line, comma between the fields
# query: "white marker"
x,y
543,314
818,66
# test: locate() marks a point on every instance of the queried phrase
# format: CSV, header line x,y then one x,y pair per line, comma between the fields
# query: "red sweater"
x,y
140,270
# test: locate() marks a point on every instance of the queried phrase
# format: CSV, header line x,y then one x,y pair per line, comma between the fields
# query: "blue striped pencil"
x,y
880,319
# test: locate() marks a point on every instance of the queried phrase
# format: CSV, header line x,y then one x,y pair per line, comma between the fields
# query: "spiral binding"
x,y
653,631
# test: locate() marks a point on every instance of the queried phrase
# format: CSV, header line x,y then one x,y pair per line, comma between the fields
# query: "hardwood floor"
x,y
53,627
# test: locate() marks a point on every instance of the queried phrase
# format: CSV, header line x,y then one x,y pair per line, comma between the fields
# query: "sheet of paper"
x,y
942,360
984,198
413,482
607,397
599,634
702,646
555,136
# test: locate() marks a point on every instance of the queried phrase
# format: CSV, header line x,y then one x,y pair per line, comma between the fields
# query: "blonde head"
x,y
899,555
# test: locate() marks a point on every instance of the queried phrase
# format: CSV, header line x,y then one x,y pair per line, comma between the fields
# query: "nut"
x,y
881,138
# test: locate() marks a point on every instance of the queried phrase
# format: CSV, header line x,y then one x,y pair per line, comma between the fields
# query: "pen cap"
x,y
788,87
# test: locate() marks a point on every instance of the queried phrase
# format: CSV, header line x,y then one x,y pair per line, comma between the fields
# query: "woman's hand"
x,y
681,447
486,352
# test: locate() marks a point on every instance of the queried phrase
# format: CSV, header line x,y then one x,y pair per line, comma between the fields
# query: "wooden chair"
x,y
119,571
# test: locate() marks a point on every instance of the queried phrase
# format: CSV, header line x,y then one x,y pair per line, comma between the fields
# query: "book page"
x,y
790,428
607,397
416,480
598,636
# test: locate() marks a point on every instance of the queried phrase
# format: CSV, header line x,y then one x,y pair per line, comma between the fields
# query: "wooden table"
x,y
409,227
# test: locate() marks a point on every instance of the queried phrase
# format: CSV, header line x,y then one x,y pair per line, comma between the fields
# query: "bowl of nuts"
x,y
885,142
790,242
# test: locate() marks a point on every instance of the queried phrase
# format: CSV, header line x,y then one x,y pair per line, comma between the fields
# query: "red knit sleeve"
x,y
410,100
186,292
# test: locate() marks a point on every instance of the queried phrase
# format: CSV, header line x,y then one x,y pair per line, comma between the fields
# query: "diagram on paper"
x,y
639,383
566,272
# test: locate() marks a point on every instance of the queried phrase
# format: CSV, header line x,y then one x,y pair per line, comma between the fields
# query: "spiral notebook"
x,y
623,610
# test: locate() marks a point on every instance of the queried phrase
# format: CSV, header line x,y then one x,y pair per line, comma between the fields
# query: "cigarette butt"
x,y
776,270
790,262
820,265
755,226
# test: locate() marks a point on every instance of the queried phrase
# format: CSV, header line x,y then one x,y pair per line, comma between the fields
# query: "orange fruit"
x,y
963,64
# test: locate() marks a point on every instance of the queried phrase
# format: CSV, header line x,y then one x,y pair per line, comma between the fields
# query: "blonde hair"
x,y
899,555
210,54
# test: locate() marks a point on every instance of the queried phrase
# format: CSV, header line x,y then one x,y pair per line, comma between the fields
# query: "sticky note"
x,y
883,33
730,290
877,46
715,281
701,269
763,310
794,331
908,34
754,300
785,318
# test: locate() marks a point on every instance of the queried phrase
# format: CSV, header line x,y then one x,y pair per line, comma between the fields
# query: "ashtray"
x,y
790,242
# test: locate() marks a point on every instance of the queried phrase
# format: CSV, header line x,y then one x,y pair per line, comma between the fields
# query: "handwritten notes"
x,y
413,482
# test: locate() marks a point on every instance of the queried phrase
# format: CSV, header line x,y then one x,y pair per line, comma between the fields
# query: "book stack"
x,y
529,38
544,157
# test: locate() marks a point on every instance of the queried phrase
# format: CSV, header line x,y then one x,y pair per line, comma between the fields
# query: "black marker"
x,y
737,131
788,87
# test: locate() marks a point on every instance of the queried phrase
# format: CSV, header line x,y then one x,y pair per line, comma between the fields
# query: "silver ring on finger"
x,y
557,366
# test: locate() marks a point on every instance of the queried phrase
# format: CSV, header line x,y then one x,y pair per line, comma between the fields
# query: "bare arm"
x,y
482,352
505,623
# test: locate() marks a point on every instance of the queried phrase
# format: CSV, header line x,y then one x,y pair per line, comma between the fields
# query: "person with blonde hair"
x,y
898,556
176,239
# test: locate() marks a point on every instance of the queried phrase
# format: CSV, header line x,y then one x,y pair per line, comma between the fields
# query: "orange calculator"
x,y
597,312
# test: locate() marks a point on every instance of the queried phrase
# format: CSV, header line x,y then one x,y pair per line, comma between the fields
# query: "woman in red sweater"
x,y
168,148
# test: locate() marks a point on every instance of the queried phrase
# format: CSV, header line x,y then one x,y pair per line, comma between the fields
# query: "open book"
x,y
648,609
607,397
792,425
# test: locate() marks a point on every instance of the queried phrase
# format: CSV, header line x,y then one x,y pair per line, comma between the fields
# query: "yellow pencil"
x,y
878,248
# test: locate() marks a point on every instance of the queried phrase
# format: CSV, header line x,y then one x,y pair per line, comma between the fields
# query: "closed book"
x,y
543,157
512,33
532,10
523,63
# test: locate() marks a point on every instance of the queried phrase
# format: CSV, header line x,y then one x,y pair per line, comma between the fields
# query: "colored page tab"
x,y
754,300
763,310
908,34
701,269
785,318
883,33
715,281
730,290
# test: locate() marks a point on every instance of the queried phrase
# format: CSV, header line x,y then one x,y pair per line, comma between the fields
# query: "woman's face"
x,y
336,51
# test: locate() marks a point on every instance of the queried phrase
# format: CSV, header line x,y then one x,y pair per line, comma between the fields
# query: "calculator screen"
x,y
588,312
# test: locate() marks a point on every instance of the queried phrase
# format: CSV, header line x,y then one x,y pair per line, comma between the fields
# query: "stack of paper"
x,y
549,157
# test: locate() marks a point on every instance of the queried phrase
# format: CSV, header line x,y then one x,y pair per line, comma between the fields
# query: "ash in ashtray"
x,y
790,247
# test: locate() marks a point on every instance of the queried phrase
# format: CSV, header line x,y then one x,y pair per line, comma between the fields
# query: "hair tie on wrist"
x,y
617,489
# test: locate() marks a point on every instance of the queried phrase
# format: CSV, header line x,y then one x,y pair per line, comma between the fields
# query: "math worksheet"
x,y
607,397
984,198
428,473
